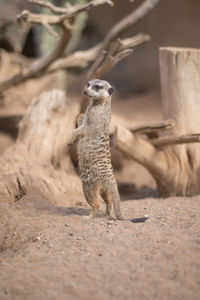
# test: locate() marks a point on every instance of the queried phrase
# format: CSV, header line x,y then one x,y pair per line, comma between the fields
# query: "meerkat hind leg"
x,y
92,199
108,201
116,200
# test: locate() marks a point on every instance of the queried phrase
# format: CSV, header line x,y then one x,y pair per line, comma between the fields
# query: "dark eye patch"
x,y
98,87
110,91
88,84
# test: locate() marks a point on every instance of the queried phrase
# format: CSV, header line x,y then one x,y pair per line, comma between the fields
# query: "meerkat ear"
x,y
110,91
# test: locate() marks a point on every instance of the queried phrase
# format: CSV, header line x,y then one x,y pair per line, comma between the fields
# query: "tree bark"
x,y
180,78
35,162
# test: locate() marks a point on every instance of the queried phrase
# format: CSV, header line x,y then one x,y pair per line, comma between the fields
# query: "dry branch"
x,y
118,50
64,13
70,11
39,67
152,130
175,140
153,127
77,60
134,147
122,26
106,60
129,20
81,59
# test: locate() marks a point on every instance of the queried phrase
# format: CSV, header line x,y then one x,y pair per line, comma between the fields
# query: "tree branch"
x,y
123,25
77,60
70,11
134,147
81,59
106,60
153,127
174,140
40,66
53,8
37,68
98,69
118,50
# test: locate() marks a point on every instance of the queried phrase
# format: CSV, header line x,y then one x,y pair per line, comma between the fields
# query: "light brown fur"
x,y
94,150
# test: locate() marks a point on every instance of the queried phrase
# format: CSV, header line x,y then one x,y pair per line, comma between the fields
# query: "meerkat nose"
x,y
85,93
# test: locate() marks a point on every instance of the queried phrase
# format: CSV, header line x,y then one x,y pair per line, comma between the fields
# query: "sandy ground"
x,y
49,252
53,253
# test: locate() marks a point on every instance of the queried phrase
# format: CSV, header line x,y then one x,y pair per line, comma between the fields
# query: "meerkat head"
x,y
99,90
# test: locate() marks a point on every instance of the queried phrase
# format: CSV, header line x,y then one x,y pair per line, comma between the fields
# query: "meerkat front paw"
x,y
70,142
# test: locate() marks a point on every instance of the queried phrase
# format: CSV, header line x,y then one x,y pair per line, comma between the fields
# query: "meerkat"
x,y
95,166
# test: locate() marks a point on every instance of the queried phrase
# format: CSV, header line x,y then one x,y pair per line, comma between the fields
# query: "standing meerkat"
x,y
95,165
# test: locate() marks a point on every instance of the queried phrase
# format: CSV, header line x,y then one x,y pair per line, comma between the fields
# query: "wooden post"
x,y
175,163
180,86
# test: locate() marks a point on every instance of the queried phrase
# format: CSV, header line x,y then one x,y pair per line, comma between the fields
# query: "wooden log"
x,y
174,160
34,163
180,77
180,74
134,147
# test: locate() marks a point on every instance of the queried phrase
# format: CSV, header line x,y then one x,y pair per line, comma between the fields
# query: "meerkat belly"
x,y
94,159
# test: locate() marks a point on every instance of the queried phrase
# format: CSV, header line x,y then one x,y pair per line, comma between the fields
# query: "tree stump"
x,y
35,163
173,160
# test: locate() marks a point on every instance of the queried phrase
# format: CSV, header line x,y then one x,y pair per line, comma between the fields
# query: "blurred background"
x,y
170,23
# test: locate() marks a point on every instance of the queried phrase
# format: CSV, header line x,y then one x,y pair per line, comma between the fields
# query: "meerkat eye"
x,y
110,91
88,84
98,87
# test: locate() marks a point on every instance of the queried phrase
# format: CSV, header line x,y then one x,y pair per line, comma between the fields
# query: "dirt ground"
x,y
49,252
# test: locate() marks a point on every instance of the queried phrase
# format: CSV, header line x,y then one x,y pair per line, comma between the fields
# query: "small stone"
x,y
66,224
100,254
71,234
36,238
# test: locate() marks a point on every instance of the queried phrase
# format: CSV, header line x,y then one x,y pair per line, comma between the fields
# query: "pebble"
x,y
36,238
71,234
